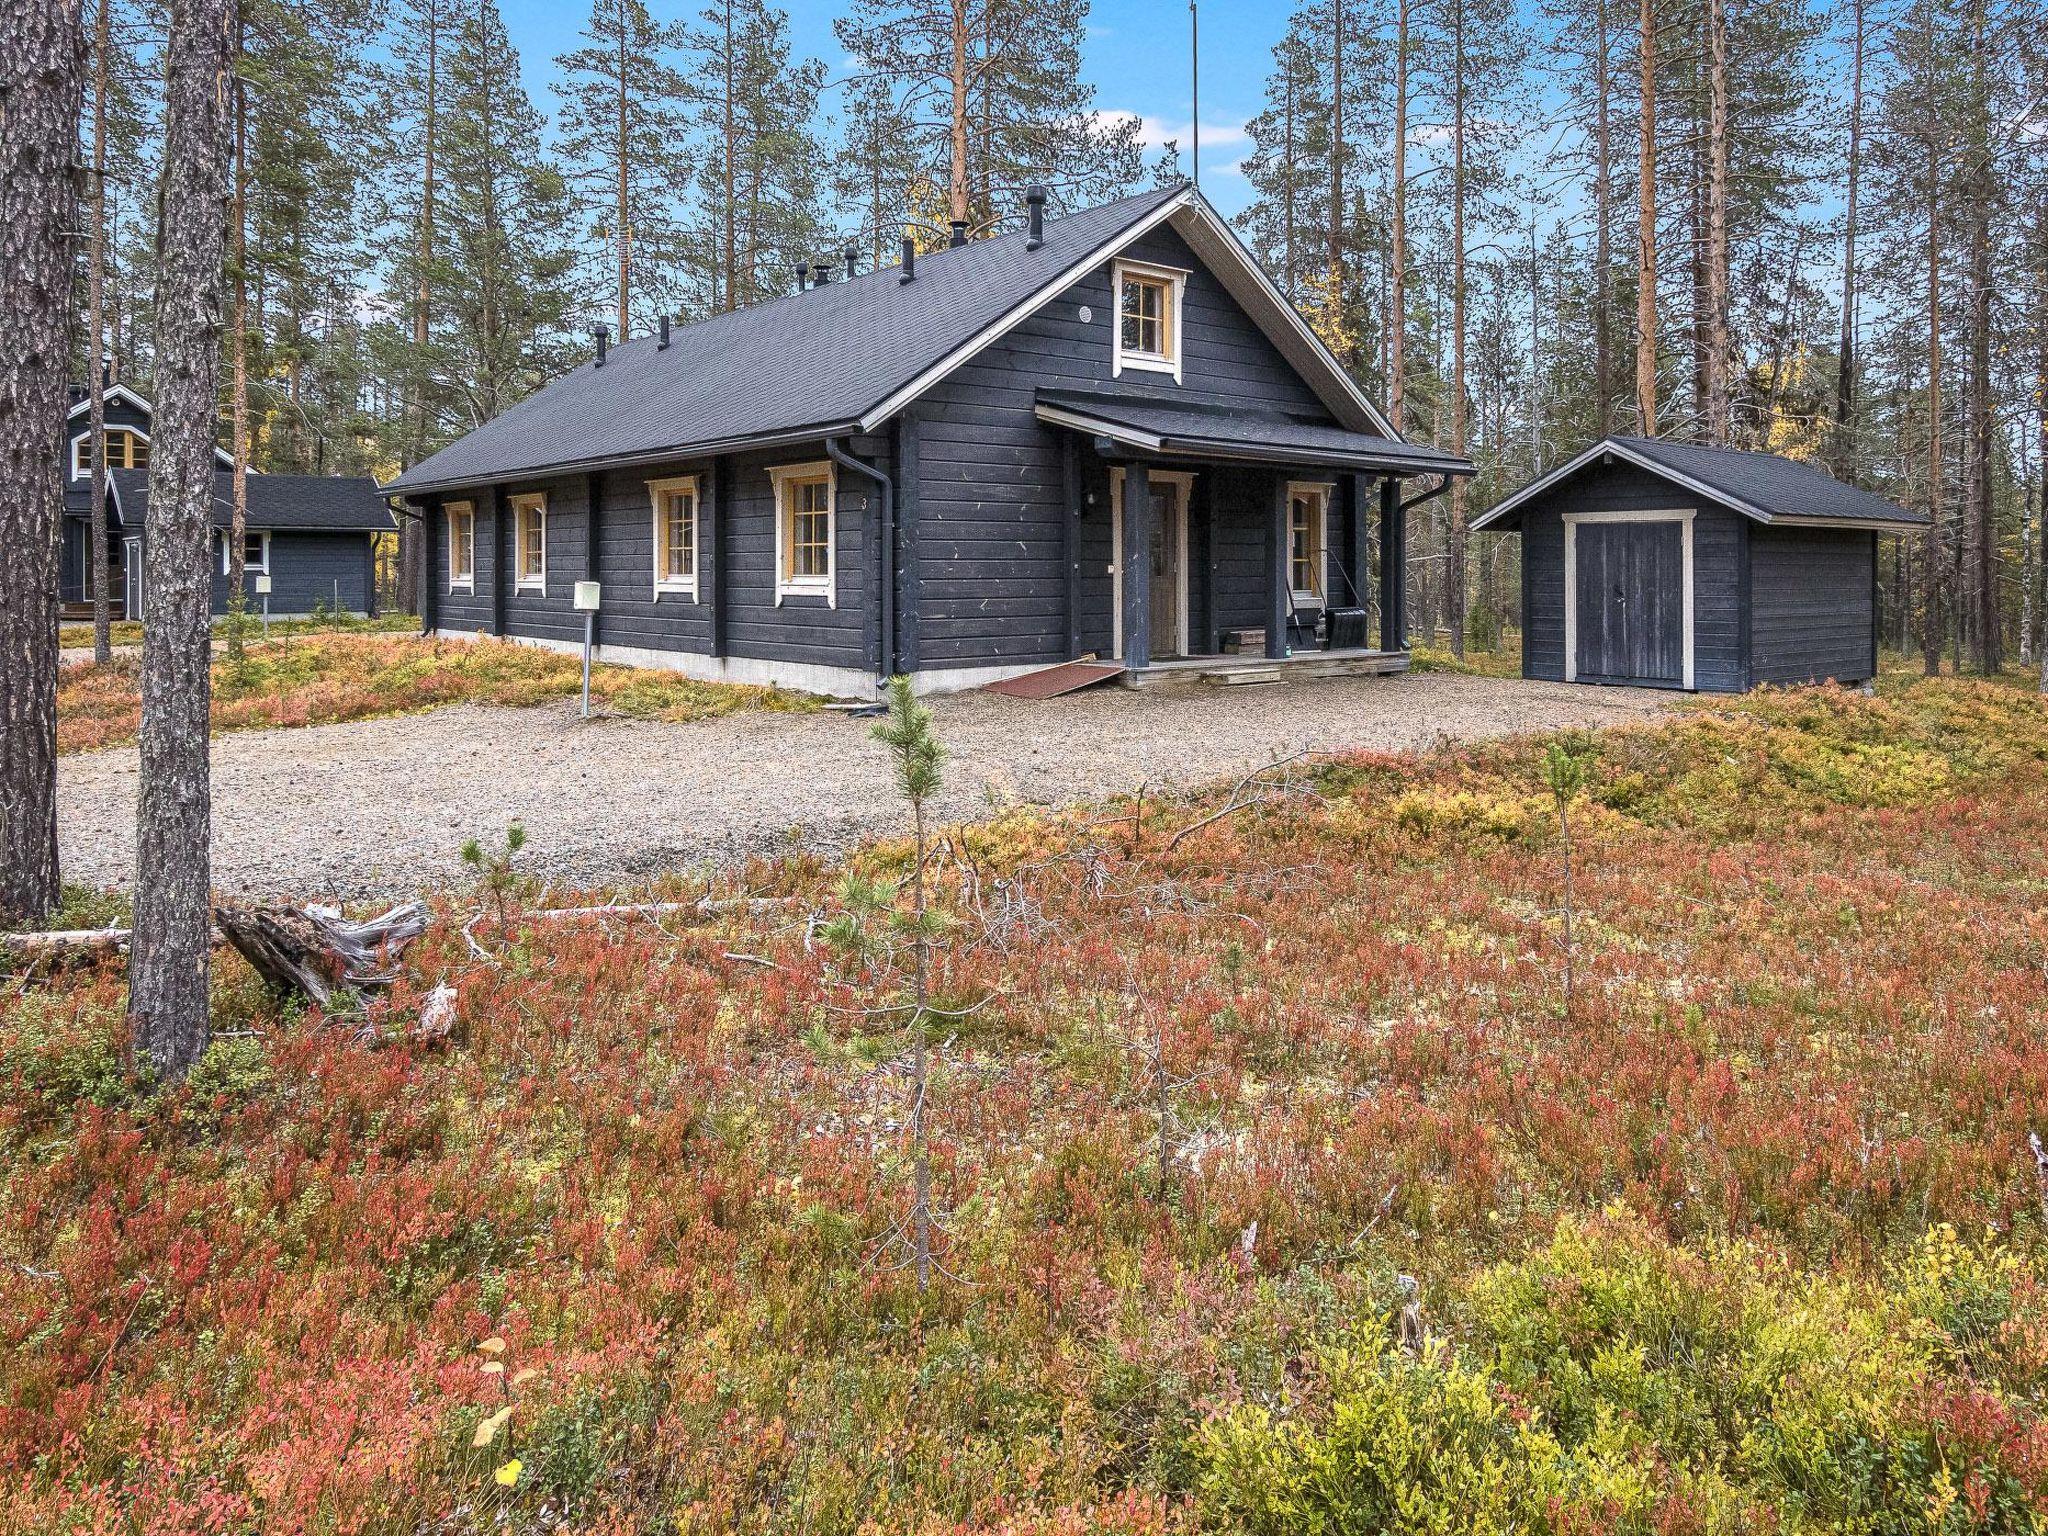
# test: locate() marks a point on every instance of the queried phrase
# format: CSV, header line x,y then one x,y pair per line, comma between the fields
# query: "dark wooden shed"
x,y
1669,565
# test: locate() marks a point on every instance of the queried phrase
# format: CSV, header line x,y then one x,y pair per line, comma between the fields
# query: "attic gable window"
x,y
125,450
530,542
1148,317
806,517
461,547
675,535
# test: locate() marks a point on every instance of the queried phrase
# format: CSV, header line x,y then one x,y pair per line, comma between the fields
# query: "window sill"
x,y
675,589
823,589
1148,363
467,588
537,588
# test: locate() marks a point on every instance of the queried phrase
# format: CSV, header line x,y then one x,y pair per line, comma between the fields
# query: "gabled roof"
x,y
314,503
846,356
1764,486
1192,430
112,392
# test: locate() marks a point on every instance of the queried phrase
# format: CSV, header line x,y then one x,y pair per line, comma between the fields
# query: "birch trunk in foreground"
x,y
168,974
42,70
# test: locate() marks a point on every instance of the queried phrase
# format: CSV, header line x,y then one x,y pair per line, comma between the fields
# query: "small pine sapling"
x,y
874,927
494,873
1565,761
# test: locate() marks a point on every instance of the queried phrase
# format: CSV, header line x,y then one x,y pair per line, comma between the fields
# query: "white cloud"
x,y
1156,132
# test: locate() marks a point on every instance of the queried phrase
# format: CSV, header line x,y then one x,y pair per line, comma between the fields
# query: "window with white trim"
x,y
255,550
805,523
1148,306
675,535
530,542
461,547
1308,523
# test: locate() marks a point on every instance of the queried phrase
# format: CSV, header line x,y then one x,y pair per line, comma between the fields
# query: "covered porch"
x,y
1224,542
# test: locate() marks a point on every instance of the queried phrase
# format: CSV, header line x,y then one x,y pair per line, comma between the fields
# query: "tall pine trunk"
x,y
1458,538
238,218
98,575
42,72
1930,632
1603,228
412,530
625,211
1845,454
1397,255
1719,403
956,169
167,996
1646,225
1982,510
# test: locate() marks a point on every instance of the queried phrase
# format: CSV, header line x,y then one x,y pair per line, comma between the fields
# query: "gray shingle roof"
x,y
1208,430
1764,486
850,346
341,503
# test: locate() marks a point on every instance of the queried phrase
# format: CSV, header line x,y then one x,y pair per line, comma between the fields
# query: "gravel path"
x,y
377,807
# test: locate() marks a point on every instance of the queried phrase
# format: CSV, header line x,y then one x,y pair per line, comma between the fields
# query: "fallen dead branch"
x,y
1238,799
317,951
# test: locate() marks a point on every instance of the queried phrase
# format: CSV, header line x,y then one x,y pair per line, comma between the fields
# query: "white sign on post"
x,y
586,604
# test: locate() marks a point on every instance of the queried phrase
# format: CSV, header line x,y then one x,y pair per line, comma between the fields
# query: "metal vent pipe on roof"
x,y
1034,199
909,274
821,273
664,334
603,333
852,255
959,233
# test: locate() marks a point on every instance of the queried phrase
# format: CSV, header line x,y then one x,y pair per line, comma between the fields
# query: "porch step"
x,y
1282,671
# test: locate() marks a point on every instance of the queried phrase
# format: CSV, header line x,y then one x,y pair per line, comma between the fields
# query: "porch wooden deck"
x,y
1227,671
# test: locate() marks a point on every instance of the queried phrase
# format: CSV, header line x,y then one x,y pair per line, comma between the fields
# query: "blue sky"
x,y
1136,56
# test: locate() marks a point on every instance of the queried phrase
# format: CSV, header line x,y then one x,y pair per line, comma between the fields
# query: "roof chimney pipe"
x,y
959,234
803,276
1034,199
664,334
821,273
909,273
603,333
852,255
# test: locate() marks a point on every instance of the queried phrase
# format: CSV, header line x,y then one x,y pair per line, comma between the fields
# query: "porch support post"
x,y
1277,574
1070,538
1393,568
1136,559
1357,568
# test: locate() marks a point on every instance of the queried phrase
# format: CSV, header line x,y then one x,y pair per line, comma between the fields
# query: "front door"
x,y
1630,603
1168,555
131,578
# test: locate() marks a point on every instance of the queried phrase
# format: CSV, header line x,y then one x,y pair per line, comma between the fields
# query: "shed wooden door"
x,y
1631,603
1167,579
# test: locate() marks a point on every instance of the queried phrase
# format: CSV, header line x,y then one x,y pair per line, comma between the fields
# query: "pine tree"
x,y
993,96
623,104
876,167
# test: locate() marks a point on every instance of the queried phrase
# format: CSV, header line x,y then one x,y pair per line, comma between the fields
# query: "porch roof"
x,y
1189,430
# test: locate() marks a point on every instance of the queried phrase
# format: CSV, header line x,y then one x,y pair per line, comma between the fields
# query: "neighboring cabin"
x,y
1102,434
1669,565
313,535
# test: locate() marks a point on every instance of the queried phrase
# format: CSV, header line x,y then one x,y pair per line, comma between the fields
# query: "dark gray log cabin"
x,y
313,535
1671,565
1105,434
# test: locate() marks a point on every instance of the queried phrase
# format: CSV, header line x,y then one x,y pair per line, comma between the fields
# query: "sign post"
x,y
263,591
586,604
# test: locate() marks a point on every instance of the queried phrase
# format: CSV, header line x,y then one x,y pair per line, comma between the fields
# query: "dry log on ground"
x,y
62,949
319,952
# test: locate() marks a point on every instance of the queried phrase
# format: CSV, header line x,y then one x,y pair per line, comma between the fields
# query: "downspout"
x,y
1443,484
885,533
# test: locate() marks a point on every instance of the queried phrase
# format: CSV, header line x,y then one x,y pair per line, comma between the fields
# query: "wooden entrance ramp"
x,y
1051,682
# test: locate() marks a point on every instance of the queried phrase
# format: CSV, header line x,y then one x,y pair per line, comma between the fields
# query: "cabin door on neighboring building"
x,y
1628,605
1169,556
131,578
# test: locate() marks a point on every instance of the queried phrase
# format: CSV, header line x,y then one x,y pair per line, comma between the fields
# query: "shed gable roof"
x,y
846,356
311,503
1766,487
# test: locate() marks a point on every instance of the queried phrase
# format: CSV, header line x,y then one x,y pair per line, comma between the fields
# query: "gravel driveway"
x,y
378,807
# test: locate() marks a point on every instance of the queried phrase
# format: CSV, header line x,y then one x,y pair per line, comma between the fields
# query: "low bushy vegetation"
x,y
1750,1238
324,678
129,632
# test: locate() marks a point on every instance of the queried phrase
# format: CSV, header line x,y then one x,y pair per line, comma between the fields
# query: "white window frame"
x,y
78,468
781,476
1183,482
1323,491
1683,516
1176,280
681,586
533,503
248,565
468,510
